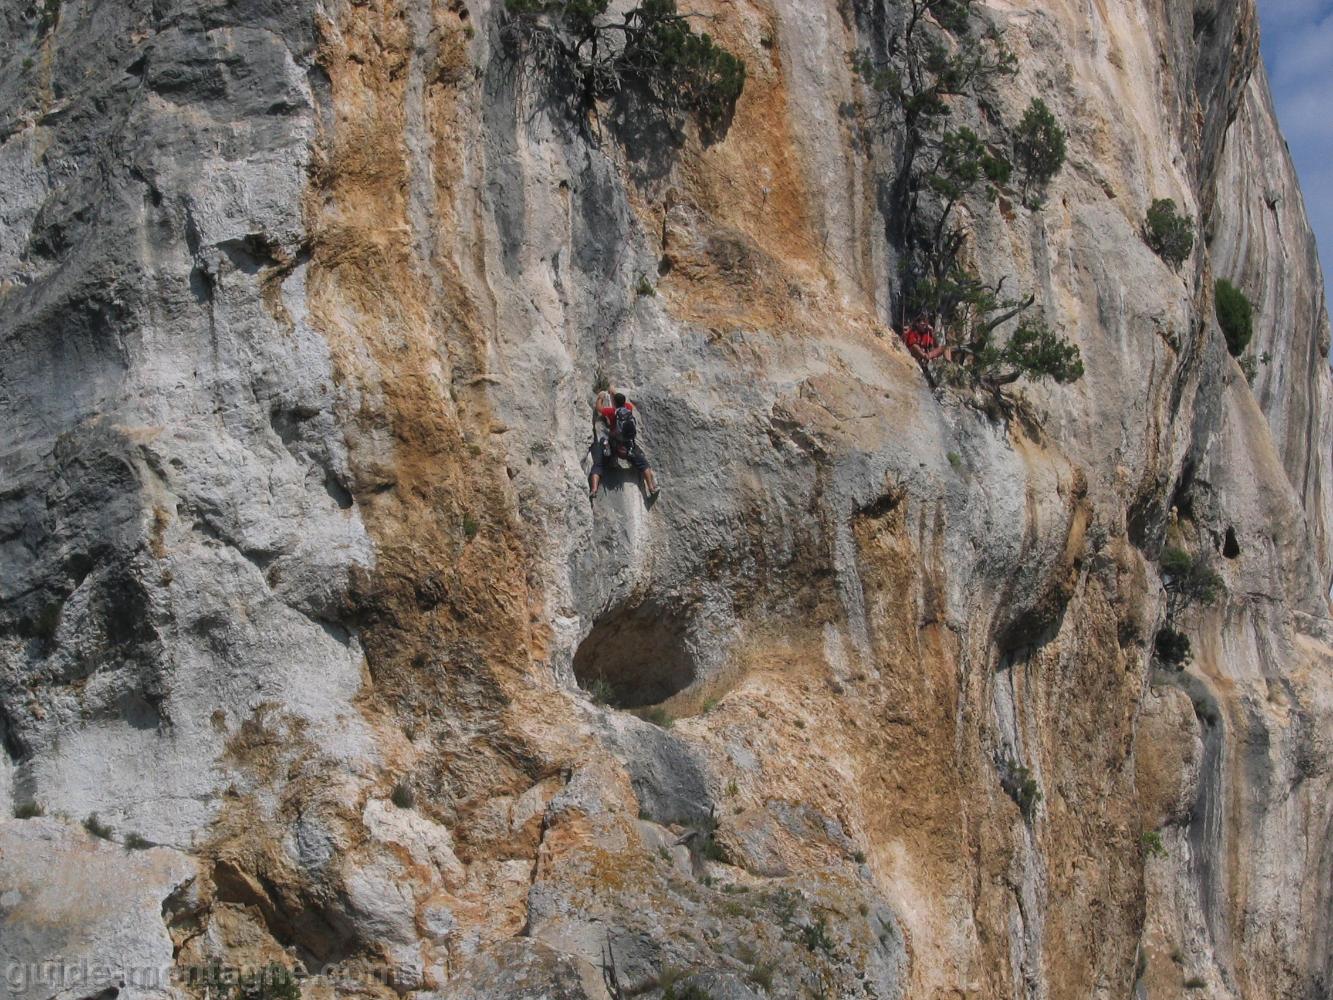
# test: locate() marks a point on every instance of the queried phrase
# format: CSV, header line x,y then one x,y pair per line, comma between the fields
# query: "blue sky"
x,y
1298,50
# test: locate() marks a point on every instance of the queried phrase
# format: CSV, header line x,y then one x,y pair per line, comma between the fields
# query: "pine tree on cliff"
x,y
945,54
650,59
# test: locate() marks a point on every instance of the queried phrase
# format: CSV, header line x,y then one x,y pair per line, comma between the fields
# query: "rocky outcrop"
x,y
302,306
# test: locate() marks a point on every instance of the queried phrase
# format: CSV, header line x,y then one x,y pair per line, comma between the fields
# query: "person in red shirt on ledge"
x,y
621,441
922,343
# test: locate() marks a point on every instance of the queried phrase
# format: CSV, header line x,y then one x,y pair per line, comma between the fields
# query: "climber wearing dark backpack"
x,y
616,437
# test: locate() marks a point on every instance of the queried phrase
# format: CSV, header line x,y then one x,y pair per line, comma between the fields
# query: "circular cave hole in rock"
x,y
635,657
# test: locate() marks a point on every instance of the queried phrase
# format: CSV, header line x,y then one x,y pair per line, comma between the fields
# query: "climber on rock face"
x,y
616,439
922,342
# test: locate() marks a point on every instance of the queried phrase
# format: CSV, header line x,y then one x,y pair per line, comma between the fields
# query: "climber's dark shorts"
x,y
602,454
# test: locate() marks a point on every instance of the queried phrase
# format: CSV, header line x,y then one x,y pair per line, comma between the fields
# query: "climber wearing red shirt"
x,y
621,441
921,341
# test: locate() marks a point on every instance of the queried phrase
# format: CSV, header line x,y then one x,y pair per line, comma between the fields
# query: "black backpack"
x,y
625,429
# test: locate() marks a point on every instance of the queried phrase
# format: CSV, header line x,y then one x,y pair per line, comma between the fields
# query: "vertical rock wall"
x,y
301,308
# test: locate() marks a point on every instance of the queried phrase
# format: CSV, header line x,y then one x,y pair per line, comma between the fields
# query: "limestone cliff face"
x,y
301,596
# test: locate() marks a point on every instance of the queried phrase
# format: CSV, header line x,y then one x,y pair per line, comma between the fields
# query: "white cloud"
x,y
1279,15
1305,55
1305,115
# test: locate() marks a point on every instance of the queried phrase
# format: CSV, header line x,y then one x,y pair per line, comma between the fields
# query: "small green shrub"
x,y
1028,794
97,828
1152,844
761,974
649,53
1170,234
859,857
402,795
1249,365
1021,786
1039,145
669,978
784,907
1235,315
1172,647
955,460
645,287
1035,352
690,991
49,15
470,527
711,850
658,716
28,810
815,937
273,983
732,789
136,842
1195,983
601,692
1189,580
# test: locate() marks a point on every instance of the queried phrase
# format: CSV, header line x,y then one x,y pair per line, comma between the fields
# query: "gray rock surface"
x,y
301,309
81,916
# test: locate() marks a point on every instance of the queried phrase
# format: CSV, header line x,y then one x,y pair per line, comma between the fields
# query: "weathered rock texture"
x,y
301,309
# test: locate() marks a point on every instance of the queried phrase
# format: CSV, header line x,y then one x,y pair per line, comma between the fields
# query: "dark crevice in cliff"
x,y
13,745
316,930
1230,546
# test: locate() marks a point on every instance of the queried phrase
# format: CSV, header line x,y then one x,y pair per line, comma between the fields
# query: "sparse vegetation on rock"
x,y
658,716
272,982
1189,580
649,56
1020,785
1172,647
1235,315
97,828
1039,146
275,982
601,692
1170,234
1249,365
1033,351
1152,844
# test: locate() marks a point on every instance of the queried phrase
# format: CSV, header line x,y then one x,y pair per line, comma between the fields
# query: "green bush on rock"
x,y
649,54
1170,234
1235,315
